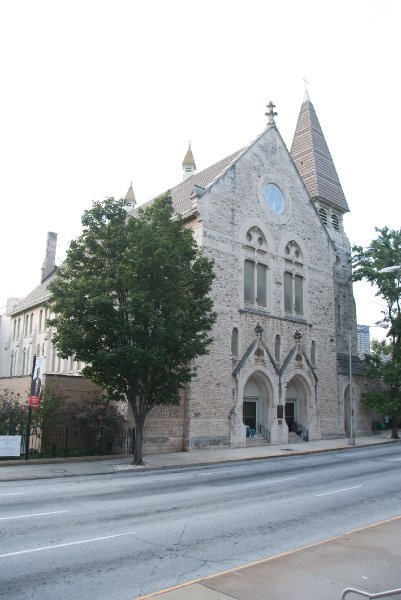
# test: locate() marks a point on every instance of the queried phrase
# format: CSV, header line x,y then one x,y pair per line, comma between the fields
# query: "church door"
x,y
290,414
249,413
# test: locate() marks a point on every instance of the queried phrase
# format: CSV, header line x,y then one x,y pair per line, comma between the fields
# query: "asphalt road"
x,y
127,534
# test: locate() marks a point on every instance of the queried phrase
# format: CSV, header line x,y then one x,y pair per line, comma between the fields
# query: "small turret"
x,y
130,198
188,164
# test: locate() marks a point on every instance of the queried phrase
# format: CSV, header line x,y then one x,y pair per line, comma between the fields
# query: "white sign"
x,y
10,445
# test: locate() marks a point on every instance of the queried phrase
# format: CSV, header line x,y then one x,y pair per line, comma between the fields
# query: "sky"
x,y
99,93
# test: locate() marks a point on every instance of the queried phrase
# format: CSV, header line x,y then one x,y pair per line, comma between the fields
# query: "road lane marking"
x,y
355,487
394,459
266,482
56,512
12,494
218,472
88,541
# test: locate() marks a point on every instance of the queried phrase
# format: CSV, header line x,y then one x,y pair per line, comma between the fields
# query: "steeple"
x,y
130,198
312,158
188,164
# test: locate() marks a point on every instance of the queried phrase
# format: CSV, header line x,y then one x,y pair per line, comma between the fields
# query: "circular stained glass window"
x,y
274,198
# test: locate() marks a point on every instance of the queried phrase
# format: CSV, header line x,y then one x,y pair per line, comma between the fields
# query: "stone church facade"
x,y
272,221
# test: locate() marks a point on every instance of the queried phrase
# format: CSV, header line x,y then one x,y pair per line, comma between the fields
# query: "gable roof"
x,y
313,160
39,295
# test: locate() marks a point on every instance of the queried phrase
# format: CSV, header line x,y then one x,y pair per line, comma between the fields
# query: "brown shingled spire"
x,y
312,158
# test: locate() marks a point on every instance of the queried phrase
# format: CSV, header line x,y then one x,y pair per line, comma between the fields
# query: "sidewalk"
x,y
21,470
366,559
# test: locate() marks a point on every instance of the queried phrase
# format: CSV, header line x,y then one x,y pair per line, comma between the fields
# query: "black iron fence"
x,y
73,441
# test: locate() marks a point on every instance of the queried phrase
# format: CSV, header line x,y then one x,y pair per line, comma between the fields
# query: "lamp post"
x,y
351,439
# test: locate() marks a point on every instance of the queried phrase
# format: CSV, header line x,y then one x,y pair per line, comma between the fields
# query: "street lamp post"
x,y
351,439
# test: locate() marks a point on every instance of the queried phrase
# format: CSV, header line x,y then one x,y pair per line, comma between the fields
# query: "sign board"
x,y
36,383
10,445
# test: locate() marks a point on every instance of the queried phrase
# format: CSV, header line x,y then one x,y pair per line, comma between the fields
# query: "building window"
x,y
15,329
19,326
12,363
23,361
31,324
293,293
255,279
313,353
38,350
26,324
43,350
234,342
323,215
40,320
277,348
335,221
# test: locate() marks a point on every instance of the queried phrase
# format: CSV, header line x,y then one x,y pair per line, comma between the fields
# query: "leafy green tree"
x,y
132,302
384,364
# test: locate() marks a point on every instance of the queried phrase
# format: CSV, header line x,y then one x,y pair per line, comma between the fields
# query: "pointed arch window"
x,y
323,214
40,320
30,324
313,353
12,363
15,329
26,323
255,267
335,221
293,280
277,348
234,341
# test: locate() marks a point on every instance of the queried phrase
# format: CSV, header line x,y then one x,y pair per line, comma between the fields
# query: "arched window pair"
x,y
335,220
255,268
293,280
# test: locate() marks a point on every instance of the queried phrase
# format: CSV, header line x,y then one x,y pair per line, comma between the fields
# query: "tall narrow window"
x,y
288,302
323,215
249,281
43,350
313,353
26,324
12,363
277,348
234,342
15,329
40,320
335,222
299,295
18,327
38,350
31,323
23,361
261,279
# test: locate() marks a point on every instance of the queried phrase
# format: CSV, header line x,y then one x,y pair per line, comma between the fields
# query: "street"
x,y
130,533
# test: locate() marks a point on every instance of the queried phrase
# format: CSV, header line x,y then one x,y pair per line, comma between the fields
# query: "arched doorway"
x,y
256,404
296,406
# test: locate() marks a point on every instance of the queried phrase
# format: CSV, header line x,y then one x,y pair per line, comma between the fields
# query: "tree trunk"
x,y
139,427
394,429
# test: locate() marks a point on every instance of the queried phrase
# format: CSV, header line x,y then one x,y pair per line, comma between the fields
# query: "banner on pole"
x,y
36,383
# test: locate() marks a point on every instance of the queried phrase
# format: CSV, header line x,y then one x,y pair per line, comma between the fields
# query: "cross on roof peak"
x,y
271,113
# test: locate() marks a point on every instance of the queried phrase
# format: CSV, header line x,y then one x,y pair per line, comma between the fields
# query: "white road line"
x,y
99,539
56,512
266,482
355,487
394,459
12,494
218,472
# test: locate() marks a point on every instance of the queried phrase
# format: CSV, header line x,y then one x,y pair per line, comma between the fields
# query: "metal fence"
x,y
74,441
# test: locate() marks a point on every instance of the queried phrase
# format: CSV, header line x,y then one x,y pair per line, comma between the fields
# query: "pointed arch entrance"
x,y
256,405
297,396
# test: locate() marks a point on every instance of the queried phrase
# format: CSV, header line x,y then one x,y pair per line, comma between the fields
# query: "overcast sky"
x,y
96,93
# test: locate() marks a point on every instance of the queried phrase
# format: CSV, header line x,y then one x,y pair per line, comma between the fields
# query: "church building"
x,y
278,367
